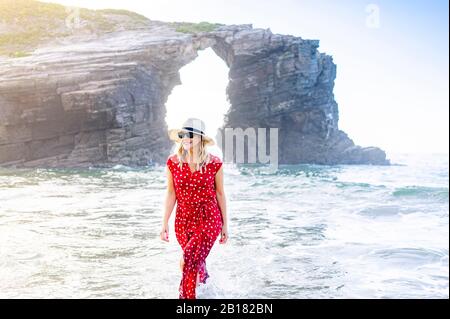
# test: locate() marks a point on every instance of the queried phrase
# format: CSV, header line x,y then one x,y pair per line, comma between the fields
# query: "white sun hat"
x,y
194,125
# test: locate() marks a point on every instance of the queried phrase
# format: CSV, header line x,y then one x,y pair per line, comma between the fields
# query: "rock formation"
x,y
101,102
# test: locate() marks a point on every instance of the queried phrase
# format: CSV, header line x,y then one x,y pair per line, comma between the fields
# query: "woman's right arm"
x,y
169,205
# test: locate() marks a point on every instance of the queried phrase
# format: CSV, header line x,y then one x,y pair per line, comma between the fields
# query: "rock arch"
x,y
102,102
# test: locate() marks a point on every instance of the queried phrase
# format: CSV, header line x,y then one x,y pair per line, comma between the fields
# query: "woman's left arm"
x,y
222,201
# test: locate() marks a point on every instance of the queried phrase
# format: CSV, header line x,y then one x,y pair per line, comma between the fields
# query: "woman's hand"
x,y
224,234
164,234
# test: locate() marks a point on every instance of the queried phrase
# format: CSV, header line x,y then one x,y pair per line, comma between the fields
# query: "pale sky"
x,y
391,56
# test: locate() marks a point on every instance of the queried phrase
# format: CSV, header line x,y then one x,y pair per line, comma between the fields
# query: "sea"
x,y
301,231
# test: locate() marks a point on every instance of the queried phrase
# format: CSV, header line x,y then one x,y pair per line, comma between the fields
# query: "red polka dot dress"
x,y
198,219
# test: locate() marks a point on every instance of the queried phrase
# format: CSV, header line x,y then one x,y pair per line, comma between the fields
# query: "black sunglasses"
x,y
188,134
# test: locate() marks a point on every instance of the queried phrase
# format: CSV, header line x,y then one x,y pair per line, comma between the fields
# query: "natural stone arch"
x,y
103,102
282,81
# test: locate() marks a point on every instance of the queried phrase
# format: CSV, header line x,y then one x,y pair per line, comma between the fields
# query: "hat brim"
x,y
173,135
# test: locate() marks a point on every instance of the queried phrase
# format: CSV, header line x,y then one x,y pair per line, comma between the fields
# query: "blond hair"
x,y
204,156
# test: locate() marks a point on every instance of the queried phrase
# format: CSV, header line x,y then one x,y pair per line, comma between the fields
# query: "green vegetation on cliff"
x,y
24,24
188,27
27,24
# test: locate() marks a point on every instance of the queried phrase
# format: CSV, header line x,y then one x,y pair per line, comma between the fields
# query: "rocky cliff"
x,y
101,101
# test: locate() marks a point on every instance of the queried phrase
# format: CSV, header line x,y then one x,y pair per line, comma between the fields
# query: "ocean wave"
x,y
364,186
440,193
410,256
381,211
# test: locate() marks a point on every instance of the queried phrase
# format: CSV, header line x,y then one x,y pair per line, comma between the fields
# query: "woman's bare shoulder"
x,y
173,158
215,159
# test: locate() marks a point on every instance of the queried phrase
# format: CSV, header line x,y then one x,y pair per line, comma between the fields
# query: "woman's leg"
x,y
182,267
181,263
196,250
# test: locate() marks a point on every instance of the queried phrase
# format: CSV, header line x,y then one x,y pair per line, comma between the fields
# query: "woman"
x,y
195,182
